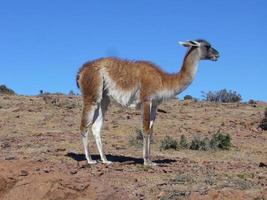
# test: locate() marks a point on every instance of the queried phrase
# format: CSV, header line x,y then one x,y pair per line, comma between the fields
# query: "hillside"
x,y
42,156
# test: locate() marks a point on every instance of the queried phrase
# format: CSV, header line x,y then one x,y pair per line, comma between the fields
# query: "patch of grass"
x,y
168,143
236,183
263,124
137,138
183,144
242,176
218,141
223,96
200,144
176,195
5,90
188,97
210,180
144,167
253,103
183,179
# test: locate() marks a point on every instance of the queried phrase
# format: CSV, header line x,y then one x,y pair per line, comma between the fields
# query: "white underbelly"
x,y
128,98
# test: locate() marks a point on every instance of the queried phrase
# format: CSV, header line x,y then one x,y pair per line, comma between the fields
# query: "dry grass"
x,y
40,136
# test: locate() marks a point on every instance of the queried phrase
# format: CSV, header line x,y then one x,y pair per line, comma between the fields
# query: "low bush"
x,y
222,96
200,144
188,97
263,124
71,93
252,102
168,143
44,93
218,141
137,138
5,90
183,142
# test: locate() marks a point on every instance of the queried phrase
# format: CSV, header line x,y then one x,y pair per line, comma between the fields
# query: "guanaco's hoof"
x,y
150,163
107,162
91,162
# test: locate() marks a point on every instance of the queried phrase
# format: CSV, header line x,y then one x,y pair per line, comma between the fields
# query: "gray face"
x,y
207,52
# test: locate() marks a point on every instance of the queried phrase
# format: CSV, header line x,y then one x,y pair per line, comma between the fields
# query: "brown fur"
x,y
129,73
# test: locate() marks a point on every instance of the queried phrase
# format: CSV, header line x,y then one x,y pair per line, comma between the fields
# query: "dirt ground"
x,y
41,154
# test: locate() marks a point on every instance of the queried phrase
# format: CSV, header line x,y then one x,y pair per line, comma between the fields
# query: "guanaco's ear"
x,y
190,43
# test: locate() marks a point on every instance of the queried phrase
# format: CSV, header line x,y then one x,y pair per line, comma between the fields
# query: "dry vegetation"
x,y
42,156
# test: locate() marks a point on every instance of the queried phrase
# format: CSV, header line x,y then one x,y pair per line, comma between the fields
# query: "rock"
x,y
23,173
60,149
5,145
10,158
262,164
100,174
161,194
73,172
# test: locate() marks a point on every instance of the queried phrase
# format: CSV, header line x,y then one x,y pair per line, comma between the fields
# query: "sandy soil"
x,y
41,155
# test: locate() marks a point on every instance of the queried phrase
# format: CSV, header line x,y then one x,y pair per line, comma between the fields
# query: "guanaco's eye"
x,y
208,47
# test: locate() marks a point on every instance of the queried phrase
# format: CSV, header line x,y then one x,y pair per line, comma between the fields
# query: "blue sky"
x,y
43,43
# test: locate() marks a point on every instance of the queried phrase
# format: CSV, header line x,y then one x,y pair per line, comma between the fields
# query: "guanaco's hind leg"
x,y
88,116
92,117
148,117
97,125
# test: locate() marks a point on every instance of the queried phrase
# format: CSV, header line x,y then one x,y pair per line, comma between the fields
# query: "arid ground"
x,y
41,154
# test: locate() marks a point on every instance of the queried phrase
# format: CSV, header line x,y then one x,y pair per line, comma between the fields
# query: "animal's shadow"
x,y
115,158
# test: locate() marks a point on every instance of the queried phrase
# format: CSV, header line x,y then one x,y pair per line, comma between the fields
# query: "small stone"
x,y
100,174
262,164
60,149
5,145
161,194
23,173
119,169
73,172
10,158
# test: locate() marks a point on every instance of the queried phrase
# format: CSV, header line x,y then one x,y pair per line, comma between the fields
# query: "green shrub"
x,y
137,138
168,143
44,93
71,93
183,142
263,124
223,96
188,97
252,102
199,144
220,141
5,90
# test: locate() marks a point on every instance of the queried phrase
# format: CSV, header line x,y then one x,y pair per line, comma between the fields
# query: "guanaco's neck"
x,y
183,79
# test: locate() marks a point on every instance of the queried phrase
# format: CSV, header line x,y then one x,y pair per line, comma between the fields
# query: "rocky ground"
x,y
41,154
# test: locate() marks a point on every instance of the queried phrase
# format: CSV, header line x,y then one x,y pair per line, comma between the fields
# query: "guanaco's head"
x,y
204,49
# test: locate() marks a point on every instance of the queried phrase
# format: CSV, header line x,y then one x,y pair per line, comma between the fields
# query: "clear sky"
x,y
43,43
